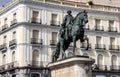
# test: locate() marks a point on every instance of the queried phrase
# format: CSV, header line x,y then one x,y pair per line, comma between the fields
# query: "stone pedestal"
x,y
79,66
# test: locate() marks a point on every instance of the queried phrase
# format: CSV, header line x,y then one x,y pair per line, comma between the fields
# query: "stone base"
x,y
79,66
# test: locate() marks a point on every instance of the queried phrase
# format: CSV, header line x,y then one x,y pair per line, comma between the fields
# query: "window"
x,y
14,35
54,21
35,57
35,16
54,38
112,41
112,44
35,33
114,62
14,16
14,21
98,25
100,61
5,39
35,37
5,21
97,22
54,35
13,56
4,59
98,40
111,23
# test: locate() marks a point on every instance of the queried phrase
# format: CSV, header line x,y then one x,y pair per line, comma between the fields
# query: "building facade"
x,y
29,33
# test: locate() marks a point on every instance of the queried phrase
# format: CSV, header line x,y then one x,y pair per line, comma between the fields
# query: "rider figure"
x,y
67,22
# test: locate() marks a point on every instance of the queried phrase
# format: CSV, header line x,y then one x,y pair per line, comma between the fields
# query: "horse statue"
x,y
77,32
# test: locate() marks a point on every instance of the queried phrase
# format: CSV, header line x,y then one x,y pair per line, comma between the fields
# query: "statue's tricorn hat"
x,y
69,11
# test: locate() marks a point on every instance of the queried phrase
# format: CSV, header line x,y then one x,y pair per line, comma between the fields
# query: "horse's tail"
x,y
56,53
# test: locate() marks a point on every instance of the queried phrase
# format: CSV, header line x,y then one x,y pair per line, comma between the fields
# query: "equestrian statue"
x,y
71,31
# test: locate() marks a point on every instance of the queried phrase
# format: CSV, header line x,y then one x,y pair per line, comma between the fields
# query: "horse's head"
x,y
83,16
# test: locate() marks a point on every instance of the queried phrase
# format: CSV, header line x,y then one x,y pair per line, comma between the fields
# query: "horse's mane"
x,y
78,14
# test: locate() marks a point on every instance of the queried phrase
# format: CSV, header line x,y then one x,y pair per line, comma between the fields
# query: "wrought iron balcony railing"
x,y
84,45
112,29
114,67
37,63
53,42
12,65
4,27
99,46
100,67
13,42
36,41
2,67
99,28
9,66
13,22
55,23
3,47
113,47
36,20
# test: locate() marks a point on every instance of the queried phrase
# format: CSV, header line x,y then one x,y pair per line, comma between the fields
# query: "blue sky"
x,y
3,2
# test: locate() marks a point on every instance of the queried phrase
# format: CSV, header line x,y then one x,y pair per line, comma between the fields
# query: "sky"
x,y
3,2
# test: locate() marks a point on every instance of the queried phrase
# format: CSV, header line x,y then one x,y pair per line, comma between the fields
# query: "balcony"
x,y
3,47
9,66
113,47
53,42
114,67
12,65
36,41
35,64
13,22
99,46
4,27
99,28
55,23
112,29
36,20
13,43
84,45
100,67
2,67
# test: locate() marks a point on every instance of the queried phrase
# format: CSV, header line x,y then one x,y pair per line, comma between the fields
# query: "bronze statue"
x,y
76,32
67,23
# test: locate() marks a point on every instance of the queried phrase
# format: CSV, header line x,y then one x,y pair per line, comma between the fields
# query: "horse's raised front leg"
x,y
74,44
85,39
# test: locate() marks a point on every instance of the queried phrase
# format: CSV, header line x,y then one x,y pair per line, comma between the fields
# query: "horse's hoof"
x,y
86,49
